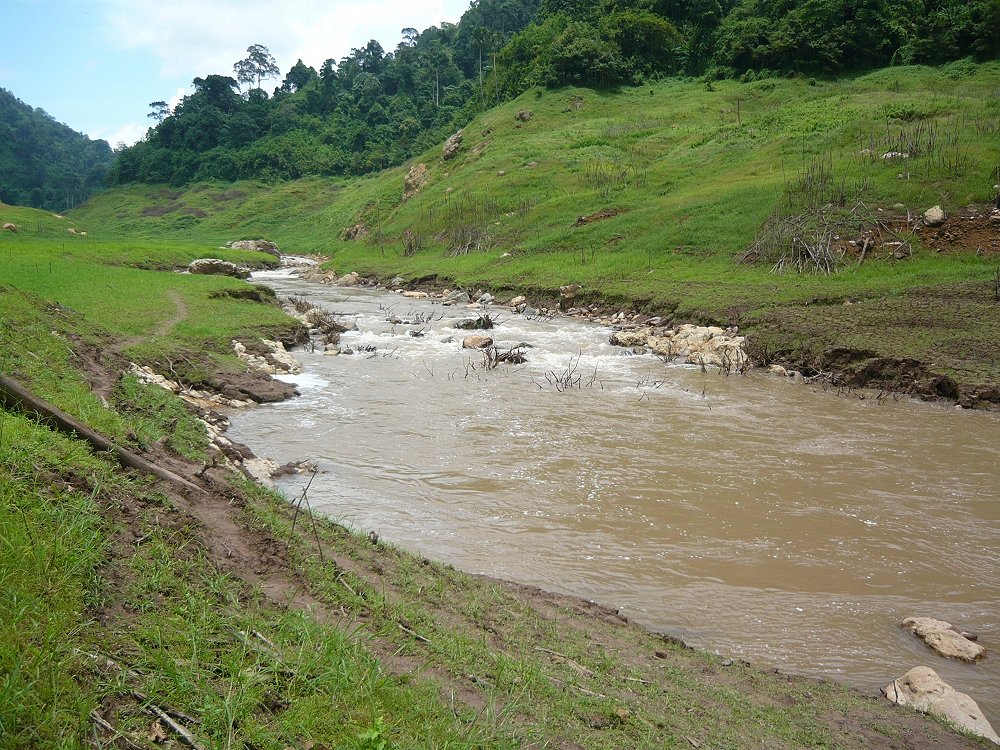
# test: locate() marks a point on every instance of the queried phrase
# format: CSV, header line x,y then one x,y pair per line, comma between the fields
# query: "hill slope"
x,y
44,163
649,198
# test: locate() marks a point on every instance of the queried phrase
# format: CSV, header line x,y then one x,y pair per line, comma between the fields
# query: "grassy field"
x,y
687,175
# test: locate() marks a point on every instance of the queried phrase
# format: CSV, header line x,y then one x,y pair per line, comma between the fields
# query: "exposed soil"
x,y
974,230
606,213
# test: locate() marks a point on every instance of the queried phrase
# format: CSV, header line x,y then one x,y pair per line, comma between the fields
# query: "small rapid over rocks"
x,y
759,516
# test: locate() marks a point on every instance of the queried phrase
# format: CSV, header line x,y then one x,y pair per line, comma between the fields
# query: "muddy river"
x,y
754,516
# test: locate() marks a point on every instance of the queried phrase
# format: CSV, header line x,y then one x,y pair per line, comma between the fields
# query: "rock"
x,y
501,173
397,282
415,295
349,279
567,294
415,179
518,300
260,246
485,299
629,339
778,370
477,342
922,689
269,358
355,233
934,217
215,266
945,638
452,146
10,227
524,115
458,297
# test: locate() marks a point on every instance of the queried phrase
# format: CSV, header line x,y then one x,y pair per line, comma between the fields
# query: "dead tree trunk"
x,y
16,397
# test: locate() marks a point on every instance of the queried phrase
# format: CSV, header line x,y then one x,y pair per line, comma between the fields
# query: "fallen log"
x,y
16,397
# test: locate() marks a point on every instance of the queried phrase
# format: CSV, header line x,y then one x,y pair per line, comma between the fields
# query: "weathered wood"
x,y
16,397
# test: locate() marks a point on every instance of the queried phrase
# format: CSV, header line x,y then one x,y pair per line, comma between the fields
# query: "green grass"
x,y
693,171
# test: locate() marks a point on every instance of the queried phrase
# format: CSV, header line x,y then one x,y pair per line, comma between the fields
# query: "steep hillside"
x,y
44,163
651,197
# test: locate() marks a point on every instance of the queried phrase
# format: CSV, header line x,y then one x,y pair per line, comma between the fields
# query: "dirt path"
x,y
166,326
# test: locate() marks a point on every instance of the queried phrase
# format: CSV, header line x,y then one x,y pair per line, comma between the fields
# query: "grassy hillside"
x,y
687,175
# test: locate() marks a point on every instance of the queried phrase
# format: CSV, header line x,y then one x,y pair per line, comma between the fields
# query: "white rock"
x,y
925,691
934,217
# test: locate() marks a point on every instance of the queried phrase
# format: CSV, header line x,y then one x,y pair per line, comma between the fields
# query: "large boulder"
x,y
458,297
945,638
934,217
267,357
630,339
217,267
260,246
348,279
524,115
923,689
415,179
452,146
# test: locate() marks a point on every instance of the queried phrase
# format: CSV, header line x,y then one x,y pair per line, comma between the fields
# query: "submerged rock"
x,y
477,342
945,638
923,689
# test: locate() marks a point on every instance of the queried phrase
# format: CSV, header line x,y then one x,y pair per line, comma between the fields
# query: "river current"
x,y
754,516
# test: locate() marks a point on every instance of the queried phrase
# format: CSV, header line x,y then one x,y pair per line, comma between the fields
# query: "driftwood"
x,y
16,397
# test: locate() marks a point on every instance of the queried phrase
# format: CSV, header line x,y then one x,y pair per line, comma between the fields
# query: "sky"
x,y
95,65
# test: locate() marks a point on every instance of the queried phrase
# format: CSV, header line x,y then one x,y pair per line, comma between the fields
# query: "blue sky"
x,y
97,65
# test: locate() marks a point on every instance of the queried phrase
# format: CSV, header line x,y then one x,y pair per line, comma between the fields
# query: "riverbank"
x,y
140,611
226,613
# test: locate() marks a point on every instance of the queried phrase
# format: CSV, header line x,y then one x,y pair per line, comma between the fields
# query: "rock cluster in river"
x,y
711,346
267,357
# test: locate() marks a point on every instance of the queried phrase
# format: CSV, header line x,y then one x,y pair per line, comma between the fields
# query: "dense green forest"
x,y
375,109
43,163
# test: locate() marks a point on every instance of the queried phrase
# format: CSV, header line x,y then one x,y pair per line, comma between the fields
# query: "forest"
x,y
45,164
374,108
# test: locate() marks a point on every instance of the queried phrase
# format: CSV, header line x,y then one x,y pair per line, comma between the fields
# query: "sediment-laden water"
x,y
754,516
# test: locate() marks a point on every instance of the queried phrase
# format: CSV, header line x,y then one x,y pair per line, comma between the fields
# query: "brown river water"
x,y
754,516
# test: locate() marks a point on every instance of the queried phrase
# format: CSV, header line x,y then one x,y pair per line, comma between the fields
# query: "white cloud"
x,y
198,37
128,133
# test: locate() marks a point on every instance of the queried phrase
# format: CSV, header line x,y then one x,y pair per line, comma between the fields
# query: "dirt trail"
x,y
166,326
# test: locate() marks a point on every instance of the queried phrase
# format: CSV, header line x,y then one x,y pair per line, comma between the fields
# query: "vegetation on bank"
x,y
650,197
45,164
132,612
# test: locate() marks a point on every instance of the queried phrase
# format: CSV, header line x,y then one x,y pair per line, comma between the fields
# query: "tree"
x,y
159,111
299,75
258,65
